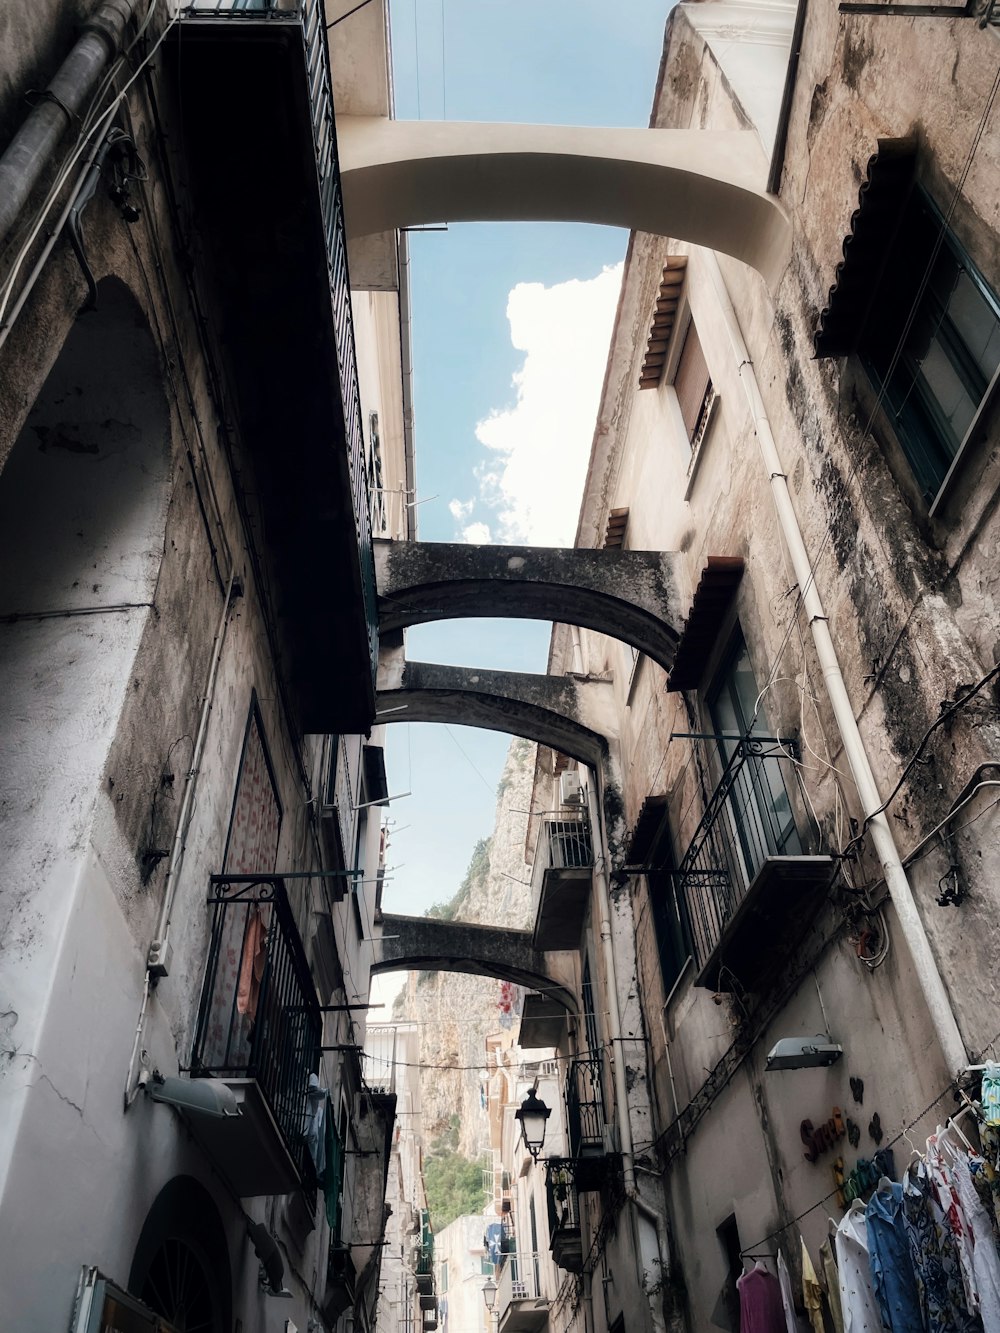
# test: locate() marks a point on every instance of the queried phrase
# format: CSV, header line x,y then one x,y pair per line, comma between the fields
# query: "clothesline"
x,y
778,1231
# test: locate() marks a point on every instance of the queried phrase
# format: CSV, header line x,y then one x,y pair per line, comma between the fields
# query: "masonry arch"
x,y
181,1267
629,595
431,944
703,186
83,505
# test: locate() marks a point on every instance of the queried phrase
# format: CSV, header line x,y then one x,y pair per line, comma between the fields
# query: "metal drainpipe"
x,y
406,357
611,982
28,153
929,978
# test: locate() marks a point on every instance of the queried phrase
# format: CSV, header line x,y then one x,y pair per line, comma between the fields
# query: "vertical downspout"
x,y
928,976
28,153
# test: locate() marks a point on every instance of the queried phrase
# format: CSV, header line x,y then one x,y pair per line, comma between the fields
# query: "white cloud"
x,y
461,509
540,446
476,534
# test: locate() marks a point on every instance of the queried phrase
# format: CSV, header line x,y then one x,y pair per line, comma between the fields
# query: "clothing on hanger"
x,y
985,1260
858,1303
792,1323
990,1096
948,1199
812,1292
830,1278
893,1278
935,1258
761,1308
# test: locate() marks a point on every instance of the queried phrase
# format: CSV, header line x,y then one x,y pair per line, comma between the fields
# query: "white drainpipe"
x,y
611,981
933,988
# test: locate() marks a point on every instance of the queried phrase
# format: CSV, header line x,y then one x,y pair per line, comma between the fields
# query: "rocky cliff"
x,y
456,1012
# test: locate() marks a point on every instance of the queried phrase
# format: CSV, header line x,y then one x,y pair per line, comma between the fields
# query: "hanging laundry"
x,y
317,1100
991,1093
985,1260
831,1278
857,1298
761,1308
252,965
951,1207
792,1323
893,1277
935,1259
812,1292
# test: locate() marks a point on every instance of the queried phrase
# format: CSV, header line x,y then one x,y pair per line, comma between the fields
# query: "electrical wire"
x,y
914,758
94,131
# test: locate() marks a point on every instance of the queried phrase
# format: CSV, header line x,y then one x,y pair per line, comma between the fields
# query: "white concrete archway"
x,y
702,186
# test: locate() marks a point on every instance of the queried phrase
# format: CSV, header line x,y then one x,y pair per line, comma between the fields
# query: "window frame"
x,y
906,437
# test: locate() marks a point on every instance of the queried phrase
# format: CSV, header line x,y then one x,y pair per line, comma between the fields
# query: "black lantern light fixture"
x,y
490,1294
533,1114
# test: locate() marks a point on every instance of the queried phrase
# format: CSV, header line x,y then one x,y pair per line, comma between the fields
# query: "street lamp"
x,y
490,1294
533,1114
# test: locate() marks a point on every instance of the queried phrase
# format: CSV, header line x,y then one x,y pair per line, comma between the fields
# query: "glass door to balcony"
x,y
758,807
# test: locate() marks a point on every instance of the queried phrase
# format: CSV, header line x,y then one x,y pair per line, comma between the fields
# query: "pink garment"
x,y
252,965
761,1308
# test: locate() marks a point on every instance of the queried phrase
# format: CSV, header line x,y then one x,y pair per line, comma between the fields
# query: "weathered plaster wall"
x,y
910,601
131,486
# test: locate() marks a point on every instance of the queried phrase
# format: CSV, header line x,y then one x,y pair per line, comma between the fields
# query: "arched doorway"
x,y
83,504
181,1267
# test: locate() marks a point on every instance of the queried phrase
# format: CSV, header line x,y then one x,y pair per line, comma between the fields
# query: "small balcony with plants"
x,y
563,1199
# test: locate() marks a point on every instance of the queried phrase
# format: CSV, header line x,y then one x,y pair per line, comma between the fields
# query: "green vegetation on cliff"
x,y
454,1183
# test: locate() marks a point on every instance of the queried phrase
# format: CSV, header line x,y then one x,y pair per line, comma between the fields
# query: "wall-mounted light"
x,y
803,1053
533,1114
490,1294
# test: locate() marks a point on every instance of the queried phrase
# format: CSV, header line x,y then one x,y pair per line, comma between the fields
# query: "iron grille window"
x,y
936,371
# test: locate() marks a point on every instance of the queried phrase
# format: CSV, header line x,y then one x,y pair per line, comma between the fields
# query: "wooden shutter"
x,y
691,380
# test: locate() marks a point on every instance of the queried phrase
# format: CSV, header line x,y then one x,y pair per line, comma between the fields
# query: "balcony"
x,y
561,881
585,1122
424,1267
748,893
565,1237
259,1030
254,113
521,1305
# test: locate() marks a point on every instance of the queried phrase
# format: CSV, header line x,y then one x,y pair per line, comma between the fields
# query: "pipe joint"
x,y
109,22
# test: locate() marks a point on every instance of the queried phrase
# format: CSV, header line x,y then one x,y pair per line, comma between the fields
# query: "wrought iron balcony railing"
x,y
519,1279
561,881
259,1016
747,819
311,18
585,1107
562,1196
565,844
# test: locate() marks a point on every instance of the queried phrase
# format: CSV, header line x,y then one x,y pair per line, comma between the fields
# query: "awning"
x,y
664,317
719,580
640,841
376,784
873,227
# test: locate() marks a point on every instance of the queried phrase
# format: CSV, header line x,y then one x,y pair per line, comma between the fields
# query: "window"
x,y
693,386
935,390
758,805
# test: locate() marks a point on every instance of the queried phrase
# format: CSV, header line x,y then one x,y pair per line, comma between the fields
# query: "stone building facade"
x,y
801,811
199,437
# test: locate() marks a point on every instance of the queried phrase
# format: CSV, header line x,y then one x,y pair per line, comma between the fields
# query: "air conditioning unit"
x,y
572,790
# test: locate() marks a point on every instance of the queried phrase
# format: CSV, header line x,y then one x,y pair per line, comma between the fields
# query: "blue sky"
x,y
512,60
